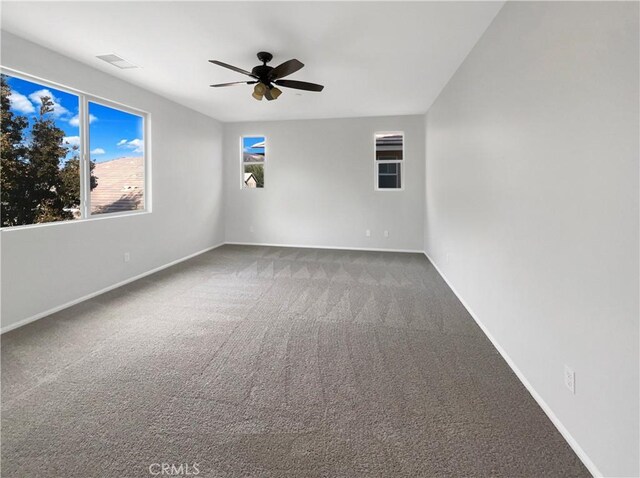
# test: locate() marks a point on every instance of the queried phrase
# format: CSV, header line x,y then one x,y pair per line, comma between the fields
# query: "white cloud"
x,y
58,109
75,121
135,145
72,140
20,103
98,151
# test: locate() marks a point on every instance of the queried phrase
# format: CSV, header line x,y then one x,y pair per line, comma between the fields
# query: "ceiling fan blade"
x,y
285,69
234,68
234,83
299,85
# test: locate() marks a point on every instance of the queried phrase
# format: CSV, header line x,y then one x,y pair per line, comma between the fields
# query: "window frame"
x,y
87,155
242,162
399,162
84,99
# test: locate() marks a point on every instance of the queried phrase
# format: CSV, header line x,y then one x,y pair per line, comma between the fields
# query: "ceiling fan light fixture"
x,y
258,91
275,92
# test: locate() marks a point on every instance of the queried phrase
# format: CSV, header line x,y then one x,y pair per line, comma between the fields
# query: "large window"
x,y
389,156
253,161
66,156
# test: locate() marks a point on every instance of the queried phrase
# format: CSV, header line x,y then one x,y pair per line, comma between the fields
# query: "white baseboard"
x,y
369,249
66,305
593,469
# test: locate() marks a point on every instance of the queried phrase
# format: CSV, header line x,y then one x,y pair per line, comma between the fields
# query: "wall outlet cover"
x,y
570,379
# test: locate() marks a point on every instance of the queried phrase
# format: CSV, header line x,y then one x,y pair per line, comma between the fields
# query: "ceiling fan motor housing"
x,y
262,72
265,57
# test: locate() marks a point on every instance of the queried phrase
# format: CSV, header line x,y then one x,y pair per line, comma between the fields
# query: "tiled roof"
x,y
120,185
252,158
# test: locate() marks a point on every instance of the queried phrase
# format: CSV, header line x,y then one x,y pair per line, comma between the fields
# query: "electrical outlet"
x,y
250,228
386,233
570,379
367,233
127,257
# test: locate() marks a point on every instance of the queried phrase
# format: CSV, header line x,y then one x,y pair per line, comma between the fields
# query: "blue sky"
x,y
248,143
113,133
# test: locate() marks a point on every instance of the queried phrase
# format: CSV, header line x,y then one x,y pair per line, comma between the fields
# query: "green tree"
x,y
15,202
46,153
37,183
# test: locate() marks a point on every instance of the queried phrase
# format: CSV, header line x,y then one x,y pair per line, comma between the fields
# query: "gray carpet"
x,y
272,362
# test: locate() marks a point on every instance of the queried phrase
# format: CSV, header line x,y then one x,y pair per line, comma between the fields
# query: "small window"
x,y
253,161
116,148
388,160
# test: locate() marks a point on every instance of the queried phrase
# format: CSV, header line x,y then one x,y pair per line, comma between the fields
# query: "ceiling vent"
x,y
115,60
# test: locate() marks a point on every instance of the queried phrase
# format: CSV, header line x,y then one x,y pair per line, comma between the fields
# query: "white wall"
x,y
532,194
46,266
319,185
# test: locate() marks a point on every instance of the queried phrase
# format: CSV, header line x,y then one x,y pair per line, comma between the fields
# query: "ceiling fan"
x,y
265,77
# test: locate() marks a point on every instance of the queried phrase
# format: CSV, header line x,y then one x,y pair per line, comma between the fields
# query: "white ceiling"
x,y
378,58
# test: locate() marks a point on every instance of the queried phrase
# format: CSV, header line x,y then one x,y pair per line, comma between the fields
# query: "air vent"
x,y
115,60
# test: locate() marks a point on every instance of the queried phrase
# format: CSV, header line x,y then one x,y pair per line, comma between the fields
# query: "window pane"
x,y
389,176
40,170
116,144
389,146
388,168
253,176
253,149
253,159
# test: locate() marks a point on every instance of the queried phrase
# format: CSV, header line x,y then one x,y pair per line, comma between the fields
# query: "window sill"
x,y
112,215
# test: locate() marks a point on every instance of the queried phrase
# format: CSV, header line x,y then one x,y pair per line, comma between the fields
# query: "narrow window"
x,y
116,148
388,160
253,161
